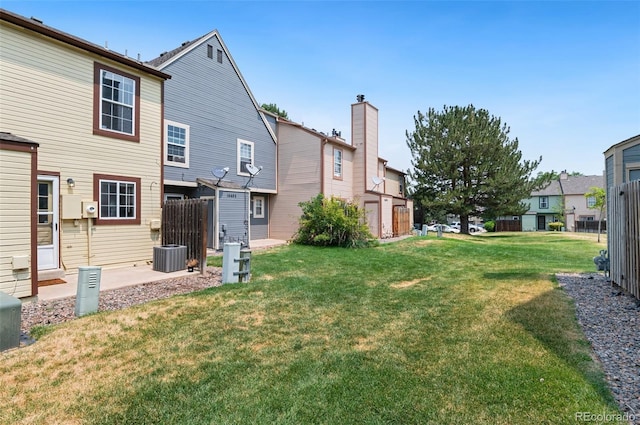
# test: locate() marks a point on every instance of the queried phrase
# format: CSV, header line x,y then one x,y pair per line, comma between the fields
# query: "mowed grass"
x,y
456,330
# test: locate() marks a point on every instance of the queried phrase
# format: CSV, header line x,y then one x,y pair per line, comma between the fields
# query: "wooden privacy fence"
x,y
624,236
184,222
590,226
508,226
401,221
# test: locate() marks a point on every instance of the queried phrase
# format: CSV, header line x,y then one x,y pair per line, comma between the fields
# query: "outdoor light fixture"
x,y
71,182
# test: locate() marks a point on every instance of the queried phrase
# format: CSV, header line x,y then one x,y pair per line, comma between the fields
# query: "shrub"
x,y
556,226
490,226
332,222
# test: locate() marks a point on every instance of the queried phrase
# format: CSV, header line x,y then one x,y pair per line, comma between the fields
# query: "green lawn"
x,y
456,330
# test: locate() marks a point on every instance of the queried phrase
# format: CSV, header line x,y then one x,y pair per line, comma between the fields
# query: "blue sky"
x,y
564,76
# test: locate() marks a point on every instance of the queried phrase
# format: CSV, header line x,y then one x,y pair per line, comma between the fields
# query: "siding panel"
x,y
15,221
210,98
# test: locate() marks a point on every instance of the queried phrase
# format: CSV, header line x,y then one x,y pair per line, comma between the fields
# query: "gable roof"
x,y
167,58
551,190
579,185
630,141
334,140
38,27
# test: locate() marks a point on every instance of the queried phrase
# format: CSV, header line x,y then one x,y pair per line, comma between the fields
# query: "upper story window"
x,y
177,144
544,202
116,103
245,156
118,198
337,163
591,201
209,51
219,56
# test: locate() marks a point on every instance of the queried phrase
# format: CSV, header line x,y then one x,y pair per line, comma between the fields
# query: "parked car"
x,y
472,227
445,228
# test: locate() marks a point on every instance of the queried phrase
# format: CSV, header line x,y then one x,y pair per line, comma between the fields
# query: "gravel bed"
x,y
52,312
610,319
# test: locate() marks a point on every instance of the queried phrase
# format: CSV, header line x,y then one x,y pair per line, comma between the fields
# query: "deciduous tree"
x,y
600,196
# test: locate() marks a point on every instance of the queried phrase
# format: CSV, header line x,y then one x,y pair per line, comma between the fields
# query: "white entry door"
x,y
48,227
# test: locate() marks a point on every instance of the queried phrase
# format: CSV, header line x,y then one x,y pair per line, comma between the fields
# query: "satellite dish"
x,y
219,173
252,169
376,180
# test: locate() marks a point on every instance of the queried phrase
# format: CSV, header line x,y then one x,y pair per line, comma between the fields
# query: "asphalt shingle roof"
x,y
579,185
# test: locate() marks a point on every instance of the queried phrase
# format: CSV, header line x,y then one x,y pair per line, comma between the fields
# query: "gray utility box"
x,y
10,320
236,263
169,258
88,293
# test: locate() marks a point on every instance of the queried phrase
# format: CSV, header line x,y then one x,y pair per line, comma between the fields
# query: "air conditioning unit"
x,y
169,258
10,320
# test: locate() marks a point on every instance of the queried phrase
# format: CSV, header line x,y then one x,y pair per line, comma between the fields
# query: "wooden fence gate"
x,y
184,222
624,236
401,223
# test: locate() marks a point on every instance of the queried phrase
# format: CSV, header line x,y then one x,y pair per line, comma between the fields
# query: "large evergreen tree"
x,y
465,163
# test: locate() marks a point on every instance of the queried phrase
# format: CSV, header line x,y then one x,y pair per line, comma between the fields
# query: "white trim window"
x,y
117,102
177,144
258,207
591,201
633,171
337,163
117,200
173,197
245,156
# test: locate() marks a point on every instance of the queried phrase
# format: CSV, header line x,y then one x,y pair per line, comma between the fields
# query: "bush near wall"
x,y
333,222
556,226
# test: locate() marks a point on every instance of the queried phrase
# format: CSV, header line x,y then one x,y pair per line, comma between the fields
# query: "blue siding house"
x,y
218,143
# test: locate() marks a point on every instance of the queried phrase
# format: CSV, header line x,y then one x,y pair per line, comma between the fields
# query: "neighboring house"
x,y
577,206
95,118
216,135
622,162
311,162
545,206
622,171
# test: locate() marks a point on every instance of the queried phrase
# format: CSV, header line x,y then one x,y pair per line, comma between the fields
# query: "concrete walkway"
x,y
112,278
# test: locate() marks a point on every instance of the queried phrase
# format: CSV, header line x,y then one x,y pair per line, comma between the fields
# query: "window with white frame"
x,y
258,207
591,201
118,198
245,156
116,103
173,196
544,202
337,163
177,137
117,106
633,172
